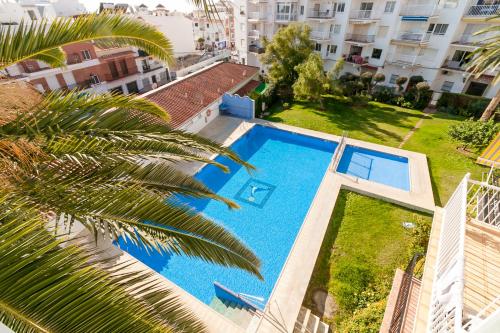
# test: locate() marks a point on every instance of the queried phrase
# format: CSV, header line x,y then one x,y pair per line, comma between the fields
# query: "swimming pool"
x,y
274,201
375,166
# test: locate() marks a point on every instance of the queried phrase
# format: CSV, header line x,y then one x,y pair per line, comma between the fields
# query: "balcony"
x,y
320,35
362,15
483,10
256,49
360,38
256,2
254,34
256,16
419,10
321,15
286,17
413,37
403,59
455,65
356,59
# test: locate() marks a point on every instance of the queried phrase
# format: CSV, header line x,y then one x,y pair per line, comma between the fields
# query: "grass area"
x,y
447,165
358,258
374,122
388,125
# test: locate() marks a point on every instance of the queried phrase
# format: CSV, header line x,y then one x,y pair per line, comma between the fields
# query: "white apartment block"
x,y
431,38
217,31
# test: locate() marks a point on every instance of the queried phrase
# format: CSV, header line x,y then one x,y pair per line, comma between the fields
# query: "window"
x,y
331,49
393,79
366,6
94,79
341,7
440,29
196,24
376,53
317,47
336,29
447,85
437,29
86,55
208,25
389,6
301,10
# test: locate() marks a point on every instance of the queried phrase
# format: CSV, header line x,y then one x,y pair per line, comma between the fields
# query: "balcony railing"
x,y
403,58
256,16
318,14
360,38
470,39
361,14
256,49
452,64
483,10
419,10
472,202
254,33
286,16
356,59
411,36
320,35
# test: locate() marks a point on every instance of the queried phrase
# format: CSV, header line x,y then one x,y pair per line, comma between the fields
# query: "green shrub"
x,y
462,104
402,102
286,106
474,134
366,320
383,94
352,279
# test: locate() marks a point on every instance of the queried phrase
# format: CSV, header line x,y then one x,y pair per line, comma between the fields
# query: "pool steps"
x,y
241,315
307,322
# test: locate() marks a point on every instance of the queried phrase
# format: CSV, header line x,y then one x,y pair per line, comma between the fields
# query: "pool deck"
x,y
287,296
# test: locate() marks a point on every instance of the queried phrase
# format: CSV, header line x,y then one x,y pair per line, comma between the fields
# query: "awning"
x,y
415,18
491,155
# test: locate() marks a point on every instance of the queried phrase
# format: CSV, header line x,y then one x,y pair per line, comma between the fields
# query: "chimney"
x,y
245,72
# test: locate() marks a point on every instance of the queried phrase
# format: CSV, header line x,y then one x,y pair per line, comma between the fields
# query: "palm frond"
x,y
40,39
47,287
53,57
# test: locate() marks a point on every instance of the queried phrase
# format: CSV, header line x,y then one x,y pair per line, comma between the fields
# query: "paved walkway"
x,y
417,126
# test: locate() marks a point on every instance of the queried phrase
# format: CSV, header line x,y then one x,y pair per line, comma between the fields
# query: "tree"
x,y
333,77
421,88
487,58
104,161
366,79
289,47
400,81
474,134
312,81
379,77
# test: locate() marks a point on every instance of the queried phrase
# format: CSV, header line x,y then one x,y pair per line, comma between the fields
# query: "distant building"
x,y
217,31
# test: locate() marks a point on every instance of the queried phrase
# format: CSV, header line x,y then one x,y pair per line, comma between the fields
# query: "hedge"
x,y
457,103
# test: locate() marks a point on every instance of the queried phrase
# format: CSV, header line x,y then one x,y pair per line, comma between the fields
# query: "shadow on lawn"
x,y
361,117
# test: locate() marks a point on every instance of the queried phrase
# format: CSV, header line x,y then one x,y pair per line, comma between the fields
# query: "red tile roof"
x,y
188,97
248,88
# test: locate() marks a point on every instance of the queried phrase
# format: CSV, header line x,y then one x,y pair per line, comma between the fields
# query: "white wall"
x,y
178,29
202,119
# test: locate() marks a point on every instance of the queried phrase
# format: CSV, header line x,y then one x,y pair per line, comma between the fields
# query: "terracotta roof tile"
x,y
186,98
248,88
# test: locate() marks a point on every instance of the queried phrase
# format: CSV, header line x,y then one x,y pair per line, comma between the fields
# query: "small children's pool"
x,y
274,202
375,166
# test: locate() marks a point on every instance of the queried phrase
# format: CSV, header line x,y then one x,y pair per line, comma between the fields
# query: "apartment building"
x,y
431,38
218,31
88,67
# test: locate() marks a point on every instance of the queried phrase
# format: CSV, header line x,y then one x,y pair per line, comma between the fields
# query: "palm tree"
x,y
487,58
107,162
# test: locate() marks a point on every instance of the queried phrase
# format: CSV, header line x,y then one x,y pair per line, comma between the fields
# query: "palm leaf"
x,y
41,40
45,287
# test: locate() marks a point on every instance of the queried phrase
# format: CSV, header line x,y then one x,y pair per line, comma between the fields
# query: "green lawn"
x,y
359,255
374,122
387,125
447,165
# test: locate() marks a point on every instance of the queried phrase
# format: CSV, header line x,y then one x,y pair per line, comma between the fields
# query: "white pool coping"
x,y
290,288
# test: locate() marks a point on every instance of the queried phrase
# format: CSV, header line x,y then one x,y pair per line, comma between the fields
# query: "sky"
x,y
180,5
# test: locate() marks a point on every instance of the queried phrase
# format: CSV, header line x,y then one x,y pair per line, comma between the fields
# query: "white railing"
x,y
419,10
286,16
361,14
478,202
254,33
320,35
447,289
256,16
414,36
483,10
338,152
403,58
320,14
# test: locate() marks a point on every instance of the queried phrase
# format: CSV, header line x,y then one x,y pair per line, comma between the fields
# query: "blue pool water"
x,y
376,166
274,201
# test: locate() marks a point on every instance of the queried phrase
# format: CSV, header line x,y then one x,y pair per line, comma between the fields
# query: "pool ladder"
x,y
338,152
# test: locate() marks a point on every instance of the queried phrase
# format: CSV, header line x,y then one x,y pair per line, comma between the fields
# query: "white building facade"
x,y
430,38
